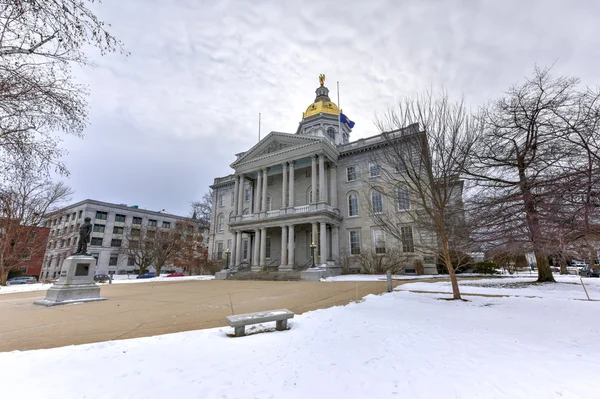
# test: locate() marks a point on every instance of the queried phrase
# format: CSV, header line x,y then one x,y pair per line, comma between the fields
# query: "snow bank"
x,y
401,345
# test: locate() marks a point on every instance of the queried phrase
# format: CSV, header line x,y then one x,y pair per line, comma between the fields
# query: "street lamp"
x,y
227,252
313,246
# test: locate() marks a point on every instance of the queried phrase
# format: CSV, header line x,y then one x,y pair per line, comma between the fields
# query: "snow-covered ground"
x,y
117,279
566,287
398,345
383,277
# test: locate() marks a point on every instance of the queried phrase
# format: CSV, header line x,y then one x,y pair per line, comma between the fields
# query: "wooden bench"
x,y
240,321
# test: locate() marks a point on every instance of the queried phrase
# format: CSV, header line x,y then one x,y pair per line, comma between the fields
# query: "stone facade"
x,y
268,214
110,222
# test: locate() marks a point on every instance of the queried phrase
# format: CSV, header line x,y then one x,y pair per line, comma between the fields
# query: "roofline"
x,y
119,206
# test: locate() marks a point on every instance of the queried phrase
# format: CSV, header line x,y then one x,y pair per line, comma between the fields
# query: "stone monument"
x,y
76,281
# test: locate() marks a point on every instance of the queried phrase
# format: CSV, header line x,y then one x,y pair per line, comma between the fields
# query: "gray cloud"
x,y
168,119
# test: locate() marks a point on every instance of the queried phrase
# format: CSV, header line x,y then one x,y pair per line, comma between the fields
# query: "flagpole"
x,y
339,112
259,126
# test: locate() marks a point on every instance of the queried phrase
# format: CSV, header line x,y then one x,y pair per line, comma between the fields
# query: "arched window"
x,y
331,133
269,203
402,197
221,223
353,204
376,201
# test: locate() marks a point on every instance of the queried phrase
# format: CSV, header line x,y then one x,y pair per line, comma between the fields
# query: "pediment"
x,y
272,144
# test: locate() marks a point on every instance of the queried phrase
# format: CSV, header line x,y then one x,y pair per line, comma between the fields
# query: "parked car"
x,y
587,272
555,269
21,280
175,275
101,278
146,275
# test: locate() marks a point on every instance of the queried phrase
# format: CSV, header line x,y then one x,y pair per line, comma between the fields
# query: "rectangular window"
x,y
229,244
120,218
79,214
407,239
60,220
166,225
354,242
379,241
62,243
101,215
115,242
131,261
135,232
113,260
67,218
152,223
68,241
402,197
353,205
117,230
221,201
247,194
373,170
71,228
99,228
136,220
74,215
351,173
219,251
376,201
97,241
245,249
268,245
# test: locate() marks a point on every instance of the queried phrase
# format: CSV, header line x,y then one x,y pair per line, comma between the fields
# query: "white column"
x,y
238,248
232,249
315,239
263,247
257,191
333,185
255,252
313,175
291,246
240,204
284,246
323,245
322,189
335,243
264,190
235,194
292,201
284,186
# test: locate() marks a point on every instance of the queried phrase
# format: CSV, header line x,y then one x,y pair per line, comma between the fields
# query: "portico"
x,y
288,179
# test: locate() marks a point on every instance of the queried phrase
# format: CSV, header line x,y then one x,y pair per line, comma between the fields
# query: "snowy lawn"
x,y
566,287
117,279
383,277
398,345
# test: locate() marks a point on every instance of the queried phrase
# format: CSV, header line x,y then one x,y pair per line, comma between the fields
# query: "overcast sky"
x,y
169,118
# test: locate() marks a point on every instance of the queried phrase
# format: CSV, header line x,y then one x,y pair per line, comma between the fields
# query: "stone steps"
x,y
266,276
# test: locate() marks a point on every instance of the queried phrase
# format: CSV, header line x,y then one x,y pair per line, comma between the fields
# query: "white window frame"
x,y
350,241
405,197
373,202
221,223
372,166
350,215
348,173
407,247
378,237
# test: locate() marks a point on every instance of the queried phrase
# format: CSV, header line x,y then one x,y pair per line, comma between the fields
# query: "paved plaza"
x,y
140,310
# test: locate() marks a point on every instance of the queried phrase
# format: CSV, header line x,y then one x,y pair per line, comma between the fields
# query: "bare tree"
x,y
428,141
523,161
384,259
39,42
201,210
139,246
25,200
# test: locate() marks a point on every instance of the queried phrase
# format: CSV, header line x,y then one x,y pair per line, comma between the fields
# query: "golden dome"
x,y
321,106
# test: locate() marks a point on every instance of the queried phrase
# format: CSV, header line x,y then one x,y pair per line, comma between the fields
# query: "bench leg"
x,y
281,325
240,331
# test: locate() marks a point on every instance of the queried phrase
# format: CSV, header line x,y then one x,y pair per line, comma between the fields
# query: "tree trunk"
x,y
544,272
454,282
158,269
3,277
389,280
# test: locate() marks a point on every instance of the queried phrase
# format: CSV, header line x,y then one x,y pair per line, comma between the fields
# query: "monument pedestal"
x,y
75,284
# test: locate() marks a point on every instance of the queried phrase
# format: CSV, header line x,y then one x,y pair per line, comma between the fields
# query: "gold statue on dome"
x,y
322,79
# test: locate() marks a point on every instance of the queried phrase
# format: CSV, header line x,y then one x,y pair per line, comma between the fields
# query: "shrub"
x,y
419,267
485,268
